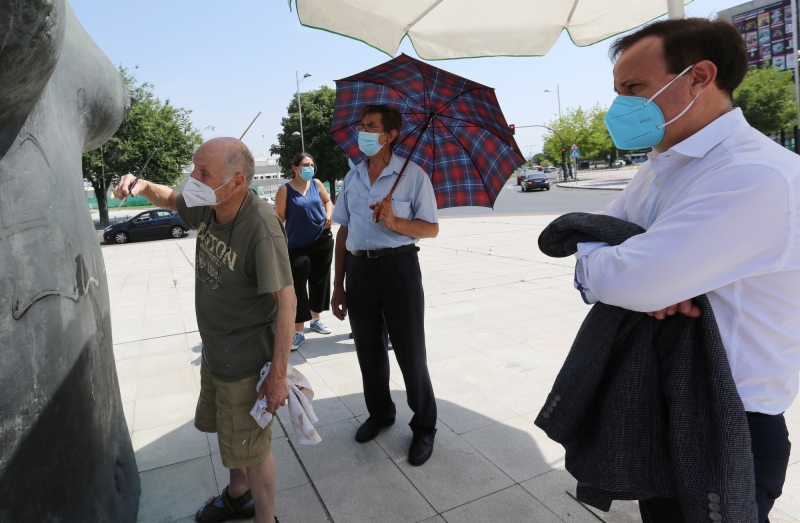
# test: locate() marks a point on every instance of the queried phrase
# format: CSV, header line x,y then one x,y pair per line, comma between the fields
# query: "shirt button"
x,y
367,241
657,184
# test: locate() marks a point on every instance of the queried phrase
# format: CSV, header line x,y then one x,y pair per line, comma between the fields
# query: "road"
x,y
555,201
513,201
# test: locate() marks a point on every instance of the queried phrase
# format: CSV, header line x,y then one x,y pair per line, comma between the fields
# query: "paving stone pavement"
x,y
500,318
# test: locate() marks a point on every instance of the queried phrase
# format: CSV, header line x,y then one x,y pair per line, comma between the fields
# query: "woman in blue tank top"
x,y
305,207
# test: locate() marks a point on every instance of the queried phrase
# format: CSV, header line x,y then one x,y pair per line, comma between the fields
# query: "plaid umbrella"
x,y
452,127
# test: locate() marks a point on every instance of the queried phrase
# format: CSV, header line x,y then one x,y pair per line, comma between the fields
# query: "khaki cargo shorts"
x,y
224,408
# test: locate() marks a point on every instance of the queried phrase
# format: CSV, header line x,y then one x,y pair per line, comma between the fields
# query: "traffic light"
x,y
512,128
563,150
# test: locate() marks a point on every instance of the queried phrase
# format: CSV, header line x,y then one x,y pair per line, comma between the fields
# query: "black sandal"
x,y
231,508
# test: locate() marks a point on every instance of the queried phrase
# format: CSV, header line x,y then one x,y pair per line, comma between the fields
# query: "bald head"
x,y
228,156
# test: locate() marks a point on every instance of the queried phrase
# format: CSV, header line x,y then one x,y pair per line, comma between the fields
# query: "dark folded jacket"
x,y
647,408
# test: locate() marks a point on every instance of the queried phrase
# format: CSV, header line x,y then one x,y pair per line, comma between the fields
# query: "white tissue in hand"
x,y
260,413
301,412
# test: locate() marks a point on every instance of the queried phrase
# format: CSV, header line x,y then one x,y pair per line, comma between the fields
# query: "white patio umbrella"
x,y
442,29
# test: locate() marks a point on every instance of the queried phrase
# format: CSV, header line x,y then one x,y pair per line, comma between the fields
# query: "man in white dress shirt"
x,y
721,205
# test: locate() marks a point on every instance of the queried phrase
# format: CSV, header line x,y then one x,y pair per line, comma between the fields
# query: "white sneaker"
x,y
298,340
317,325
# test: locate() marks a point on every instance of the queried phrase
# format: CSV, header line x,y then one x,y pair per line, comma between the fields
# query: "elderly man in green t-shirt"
x,y
245,305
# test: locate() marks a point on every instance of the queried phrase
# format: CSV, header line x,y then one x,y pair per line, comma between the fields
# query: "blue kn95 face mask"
x,y
638,123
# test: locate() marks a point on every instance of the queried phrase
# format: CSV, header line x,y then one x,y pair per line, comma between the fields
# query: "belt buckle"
x,y
372,254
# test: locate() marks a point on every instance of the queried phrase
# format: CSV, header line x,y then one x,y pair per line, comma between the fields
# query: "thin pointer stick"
x,y
130,189
251,125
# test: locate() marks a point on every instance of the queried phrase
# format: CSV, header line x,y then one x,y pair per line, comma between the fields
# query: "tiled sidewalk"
x,y
500,317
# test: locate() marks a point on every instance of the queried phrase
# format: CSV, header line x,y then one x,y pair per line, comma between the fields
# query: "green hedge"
x,y
135,201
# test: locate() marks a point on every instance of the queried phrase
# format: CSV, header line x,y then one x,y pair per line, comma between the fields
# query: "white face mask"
x,y
196,193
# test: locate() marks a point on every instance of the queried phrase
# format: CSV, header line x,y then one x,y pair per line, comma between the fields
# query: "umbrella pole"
x,y
388,198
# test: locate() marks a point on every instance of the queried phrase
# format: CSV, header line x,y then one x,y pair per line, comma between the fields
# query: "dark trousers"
x,y
311,272
384,295
770,442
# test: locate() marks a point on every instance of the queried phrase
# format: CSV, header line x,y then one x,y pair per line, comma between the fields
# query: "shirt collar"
x,y
395,164
701,142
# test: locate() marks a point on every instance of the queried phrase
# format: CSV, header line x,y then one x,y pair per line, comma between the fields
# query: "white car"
x,y
619,162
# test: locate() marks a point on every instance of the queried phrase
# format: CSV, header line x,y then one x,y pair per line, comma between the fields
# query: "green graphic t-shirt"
x,y
235,276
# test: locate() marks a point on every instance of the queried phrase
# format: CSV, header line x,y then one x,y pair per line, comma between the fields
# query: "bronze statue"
x,y
65,449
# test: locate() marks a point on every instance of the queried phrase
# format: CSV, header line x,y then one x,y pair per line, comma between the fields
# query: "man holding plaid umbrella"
x,y
376,254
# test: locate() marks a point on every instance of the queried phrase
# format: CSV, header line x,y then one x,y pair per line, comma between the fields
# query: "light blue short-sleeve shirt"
x,y
412,200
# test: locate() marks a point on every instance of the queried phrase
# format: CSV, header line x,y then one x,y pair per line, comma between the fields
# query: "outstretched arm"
x,y
160,195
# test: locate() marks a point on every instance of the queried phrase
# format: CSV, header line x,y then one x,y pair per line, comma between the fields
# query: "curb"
x,y
564,185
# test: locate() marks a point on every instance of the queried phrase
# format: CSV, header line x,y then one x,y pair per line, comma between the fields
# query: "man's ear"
x,y
704,73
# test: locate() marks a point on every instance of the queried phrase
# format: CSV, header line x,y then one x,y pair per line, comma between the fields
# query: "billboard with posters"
x,y
767,33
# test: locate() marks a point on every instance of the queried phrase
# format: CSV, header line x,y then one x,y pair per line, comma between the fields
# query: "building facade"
x,y
767,28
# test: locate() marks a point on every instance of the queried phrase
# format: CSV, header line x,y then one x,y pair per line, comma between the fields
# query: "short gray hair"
x,y
240,160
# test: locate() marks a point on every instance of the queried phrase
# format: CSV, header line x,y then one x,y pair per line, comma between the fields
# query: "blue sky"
x,y
227,60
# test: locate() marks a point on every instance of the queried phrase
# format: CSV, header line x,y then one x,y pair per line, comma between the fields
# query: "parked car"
x,y
536,181
155,223
548,170
619,162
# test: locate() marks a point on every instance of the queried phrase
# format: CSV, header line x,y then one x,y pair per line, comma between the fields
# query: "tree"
x,y
329,158
583,127
150,123
766,97
541,159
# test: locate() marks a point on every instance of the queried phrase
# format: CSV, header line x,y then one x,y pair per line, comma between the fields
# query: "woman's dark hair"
x,y
690,40
299,158
390,117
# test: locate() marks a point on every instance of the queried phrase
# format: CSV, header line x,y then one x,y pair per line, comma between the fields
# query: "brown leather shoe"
x,y
231,508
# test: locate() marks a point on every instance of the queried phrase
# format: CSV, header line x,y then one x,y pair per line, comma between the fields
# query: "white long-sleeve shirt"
x,y
722,213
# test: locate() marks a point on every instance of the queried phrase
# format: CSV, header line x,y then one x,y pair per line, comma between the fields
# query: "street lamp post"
x,y
563,154
794,56
558,93
300,108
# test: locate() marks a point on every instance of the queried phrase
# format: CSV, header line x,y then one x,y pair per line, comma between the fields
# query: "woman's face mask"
x,y
306,172
197,194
